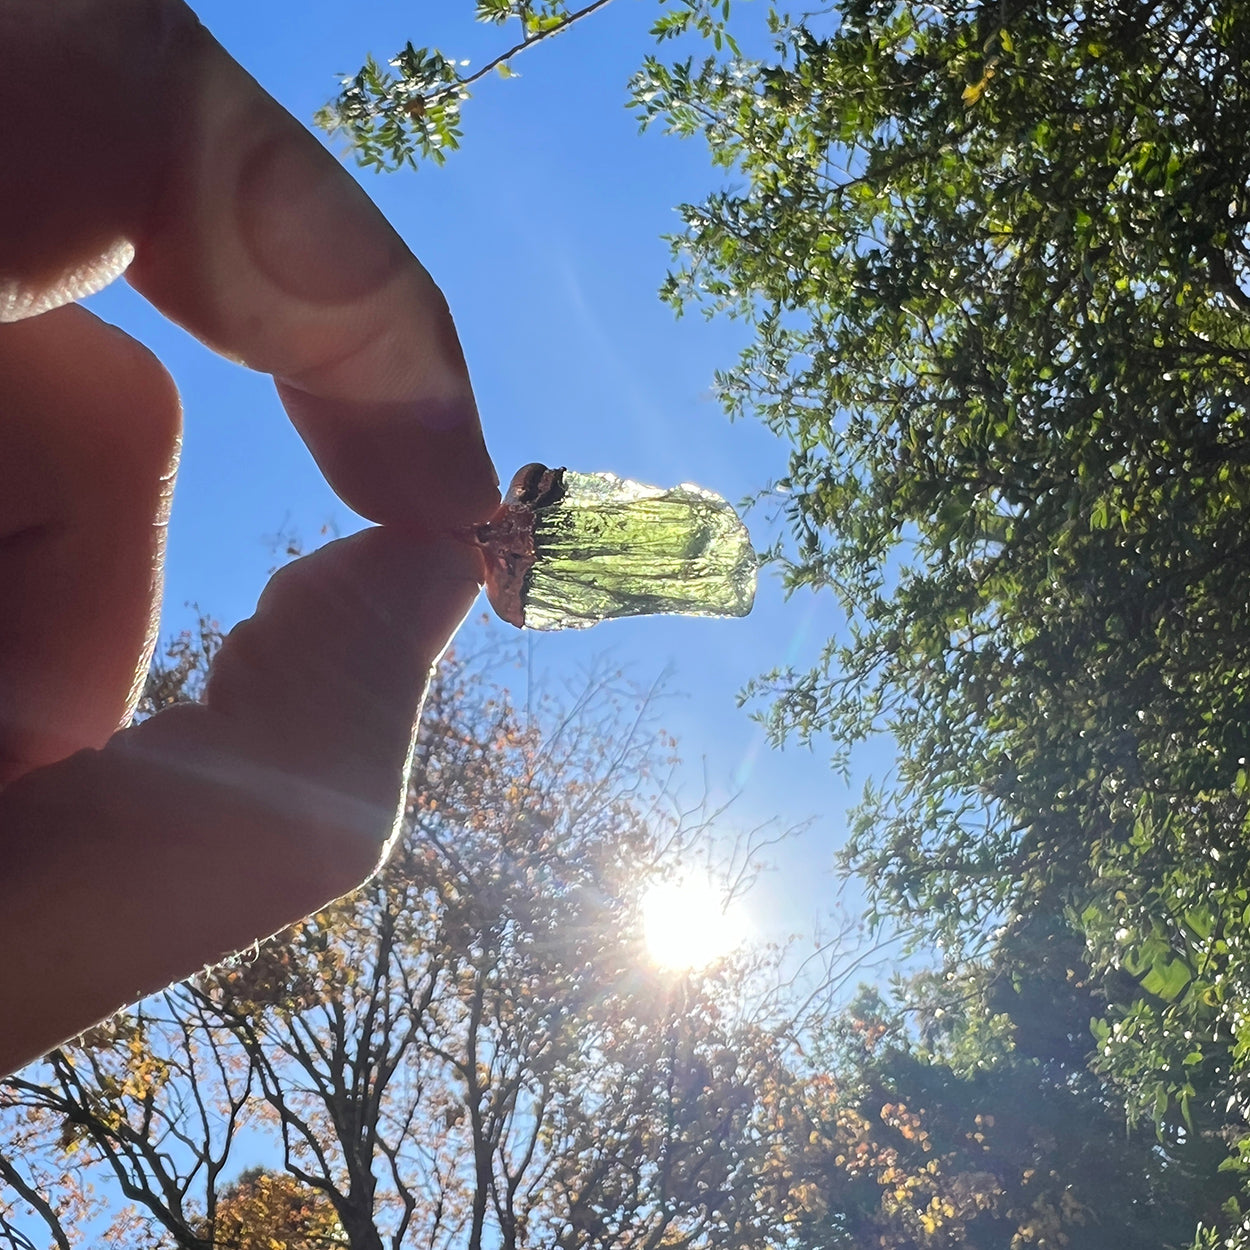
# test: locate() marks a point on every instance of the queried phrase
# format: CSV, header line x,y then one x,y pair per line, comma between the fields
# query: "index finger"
x,y
139,145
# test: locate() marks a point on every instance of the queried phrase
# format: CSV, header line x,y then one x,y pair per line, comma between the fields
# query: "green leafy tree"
x,y
986,254
994,259
408,109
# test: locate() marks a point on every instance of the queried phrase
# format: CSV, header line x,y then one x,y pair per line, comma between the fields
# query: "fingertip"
x,y
328,675
420,462
237,223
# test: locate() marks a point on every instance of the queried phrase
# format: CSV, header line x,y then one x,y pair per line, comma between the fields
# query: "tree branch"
x,y
525,44
33,1198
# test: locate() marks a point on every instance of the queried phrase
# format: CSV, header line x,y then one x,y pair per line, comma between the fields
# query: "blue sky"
x,y
544,232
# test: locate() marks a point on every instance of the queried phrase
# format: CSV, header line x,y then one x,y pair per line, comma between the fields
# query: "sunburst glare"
x,y
687,924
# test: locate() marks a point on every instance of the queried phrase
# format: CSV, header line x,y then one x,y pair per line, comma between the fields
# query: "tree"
x,y
474,1050
953,1135
263,1209
995,263
408,110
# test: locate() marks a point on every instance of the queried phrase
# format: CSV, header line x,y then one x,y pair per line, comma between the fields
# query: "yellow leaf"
x,y
973,91
1006,40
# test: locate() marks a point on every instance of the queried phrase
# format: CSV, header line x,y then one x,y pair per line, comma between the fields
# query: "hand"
x,y
130,858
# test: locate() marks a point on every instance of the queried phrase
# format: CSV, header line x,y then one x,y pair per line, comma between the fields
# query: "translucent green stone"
x,y
572,549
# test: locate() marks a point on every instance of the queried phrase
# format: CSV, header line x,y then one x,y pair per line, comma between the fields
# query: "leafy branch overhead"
x,y
408,109
995,263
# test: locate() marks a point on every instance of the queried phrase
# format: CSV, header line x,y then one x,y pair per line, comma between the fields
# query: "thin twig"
x,y
517,49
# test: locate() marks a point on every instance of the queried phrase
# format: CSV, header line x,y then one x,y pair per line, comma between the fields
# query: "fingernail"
x,y
20,298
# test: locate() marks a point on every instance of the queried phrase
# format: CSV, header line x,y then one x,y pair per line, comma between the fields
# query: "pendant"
x,y
567,550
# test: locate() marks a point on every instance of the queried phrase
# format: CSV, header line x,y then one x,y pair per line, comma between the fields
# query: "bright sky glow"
x,y
687,925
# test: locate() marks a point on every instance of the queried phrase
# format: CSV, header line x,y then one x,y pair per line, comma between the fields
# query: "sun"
x,y
687,924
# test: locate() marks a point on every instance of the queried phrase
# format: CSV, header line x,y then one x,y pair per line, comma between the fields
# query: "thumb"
x,y
212,825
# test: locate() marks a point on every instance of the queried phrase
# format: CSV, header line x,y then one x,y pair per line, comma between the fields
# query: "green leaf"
x,y
1166,979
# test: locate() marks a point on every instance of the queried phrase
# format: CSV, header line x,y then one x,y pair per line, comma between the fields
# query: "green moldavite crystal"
x,y
567,550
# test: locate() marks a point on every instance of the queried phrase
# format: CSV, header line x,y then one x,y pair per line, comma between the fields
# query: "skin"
x,y
130,857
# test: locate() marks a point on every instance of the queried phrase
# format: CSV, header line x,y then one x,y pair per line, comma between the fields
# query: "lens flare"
x,y
687,924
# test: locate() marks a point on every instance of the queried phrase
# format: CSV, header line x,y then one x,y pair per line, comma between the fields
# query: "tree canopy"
x,y
995,260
